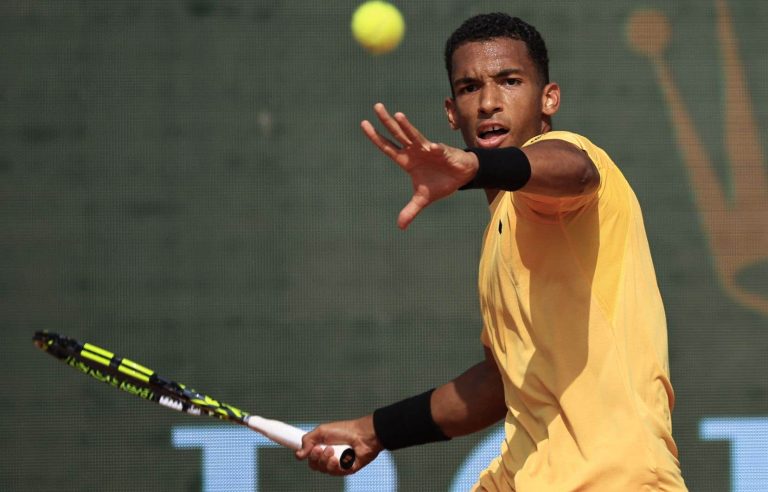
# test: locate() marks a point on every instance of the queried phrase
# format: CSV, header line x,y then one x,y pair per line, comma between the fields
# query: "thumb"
x,y
410,211
308,442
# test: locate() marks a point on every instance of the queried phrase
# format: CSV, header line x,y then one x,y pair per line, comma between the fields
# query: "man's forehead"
x,y
490,56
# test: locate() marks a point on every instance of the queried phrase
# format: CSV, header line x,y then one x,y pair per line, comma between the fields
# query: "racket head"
x,y
105,366
132,377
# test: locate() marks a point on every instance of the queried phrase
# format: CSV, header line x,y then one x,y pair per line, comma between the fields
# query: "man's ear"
x,y
550,99
450,112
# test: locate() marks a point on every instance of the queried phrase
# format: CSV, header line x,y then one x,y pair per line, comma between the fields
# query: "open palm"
x,y
436,170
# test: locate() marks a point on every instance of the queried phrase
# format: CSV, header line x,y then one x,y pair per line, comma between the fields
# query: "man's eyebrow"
x,y
500,74
509,71
464,80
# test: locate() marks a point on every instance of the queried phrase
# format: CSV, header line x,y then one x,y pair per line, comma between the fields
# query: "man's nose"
x,y
490,100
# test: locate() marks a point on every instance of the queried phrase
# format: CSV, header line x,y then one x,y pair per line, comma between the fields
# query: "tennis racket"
x,y
133,378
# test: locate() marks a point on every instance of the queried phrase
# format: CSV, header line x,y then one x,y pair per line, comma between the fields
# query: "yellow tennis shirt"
x,y
573,315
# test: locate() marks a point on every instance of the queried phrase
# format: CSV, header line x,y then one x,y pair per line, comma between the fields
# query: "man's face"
x,y
499,100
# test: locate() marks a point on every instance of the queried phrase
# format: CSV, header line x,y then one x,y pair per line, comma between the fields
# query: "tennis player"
x,y
574,328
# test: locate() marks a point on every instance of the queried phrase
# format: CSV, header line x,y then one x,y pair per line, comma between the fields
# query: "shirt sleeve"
x,y
549,205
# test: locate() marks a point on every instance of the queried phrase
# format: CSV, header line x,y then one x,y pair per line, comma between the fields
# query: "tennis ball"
x,y
378,26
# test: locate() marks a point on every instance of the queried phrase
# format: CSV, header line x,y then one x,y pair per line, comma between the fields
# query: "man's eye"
x,y
467,88
512,81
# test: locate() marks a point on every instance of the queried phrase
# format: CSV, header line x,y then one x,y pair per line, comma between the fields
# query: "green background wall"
x,y
185,183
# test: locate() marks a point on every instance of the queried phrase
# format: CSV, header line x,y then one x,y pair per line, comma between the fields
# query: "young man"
x,y
574,329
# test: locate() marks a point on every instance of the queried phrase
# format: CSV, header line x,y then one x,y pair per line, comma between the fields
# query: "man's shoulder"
x,y
610,175
576,139
599,157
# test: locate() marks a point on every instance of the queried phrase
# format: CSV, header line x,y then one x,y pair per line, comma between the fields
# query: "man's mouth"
x,y
491,136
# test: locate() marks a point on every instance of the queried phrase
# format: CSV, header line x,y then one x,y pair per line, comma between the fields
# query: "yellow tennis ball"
x,y
378,26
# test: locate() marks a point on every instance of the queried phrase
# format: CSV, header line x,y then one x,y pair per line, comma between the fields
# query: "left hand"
x,y
436,170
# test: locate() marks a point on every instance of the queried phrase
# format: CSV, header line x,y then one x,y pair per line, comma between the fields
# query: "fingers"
x,y
398,126
401,130
409,130
320,458
384,144
426,162
392,125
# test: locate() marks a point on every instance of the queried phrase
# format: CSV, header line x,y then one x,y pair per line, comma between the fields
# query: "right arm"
x,y
472,401
469,403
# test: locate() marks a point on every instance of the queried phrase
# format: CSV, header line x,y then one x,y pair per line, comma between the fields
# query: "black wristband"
x,y
505,169
407,423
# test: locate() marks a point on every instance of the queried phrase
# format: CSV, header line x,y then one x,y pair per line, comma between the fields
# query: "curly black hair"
x,y
484,27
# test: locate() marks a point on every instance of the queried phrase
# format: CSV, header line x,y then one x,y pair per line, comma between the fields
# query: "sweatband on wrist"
x,y
505,169
407,423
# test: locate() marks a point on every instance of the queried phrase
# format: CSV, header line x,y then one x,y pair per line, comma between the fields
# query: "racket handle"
x,y
290,437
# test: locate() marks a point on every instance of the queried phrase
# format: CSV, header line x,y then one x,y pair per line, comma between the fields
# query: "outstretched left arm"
x,y
552,168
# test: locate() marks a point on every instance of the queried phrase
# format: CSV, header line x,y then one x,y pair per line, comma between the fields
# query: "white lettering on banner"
x,y
748,437
230,456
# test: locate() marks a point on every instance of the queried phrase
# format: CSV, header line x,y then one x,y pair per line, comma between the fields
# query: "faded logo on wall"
x,y
736,223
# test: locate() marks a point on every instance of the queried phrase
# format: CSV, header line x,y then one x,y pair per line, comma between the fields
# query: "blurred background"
x,y
185,183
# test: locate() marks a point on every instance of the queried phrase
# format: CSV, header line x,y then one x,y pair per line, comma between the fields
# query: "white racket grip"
x,y
290,437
